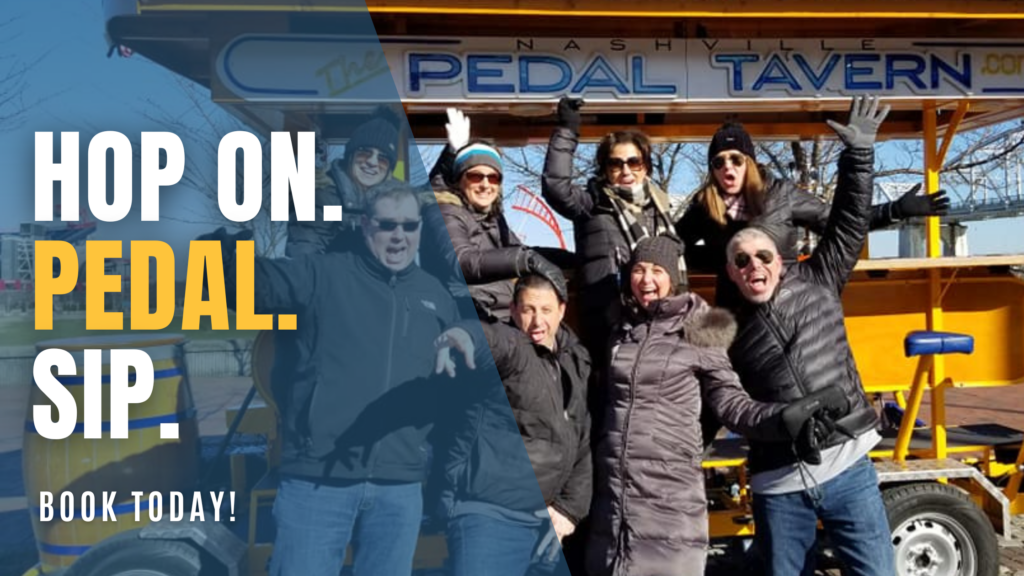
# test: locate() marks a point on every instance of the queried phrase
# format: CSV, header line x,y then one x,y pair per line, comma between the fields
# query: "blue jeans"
x,y
315,524
851,511
480,545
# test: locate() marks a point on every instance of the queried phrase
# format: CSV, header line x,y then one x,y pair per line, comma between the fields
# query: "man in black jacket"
x,y
356,411
792,344
497,519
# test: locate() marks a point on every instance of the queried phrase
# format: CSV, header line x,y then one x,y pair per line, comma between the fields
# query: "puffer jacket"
x,y
601,244
486,251
796,343
547,394
649,515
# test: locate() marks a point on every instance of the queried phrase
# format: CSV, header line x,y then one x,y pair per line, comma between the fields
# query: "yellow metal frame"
x,y
934,158
930,373
786,9
1012,491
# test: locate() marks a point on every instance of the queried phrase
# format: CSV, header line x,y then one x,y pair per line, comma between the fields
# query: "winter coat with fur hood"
x,y
485,249
649,515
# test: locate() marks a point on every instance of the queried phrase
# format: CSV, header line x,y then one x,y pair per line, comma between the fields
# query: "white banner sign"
x,y
337,69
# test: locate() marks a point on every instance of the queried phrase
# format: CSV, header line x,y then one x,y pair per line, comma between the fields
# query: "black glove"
x,y
830,400
911,205
811,420
529,261
812,437
569,113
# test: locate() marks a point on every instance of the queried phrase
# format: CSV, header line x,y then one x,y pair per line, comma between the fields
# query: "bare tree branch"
x,y
201,128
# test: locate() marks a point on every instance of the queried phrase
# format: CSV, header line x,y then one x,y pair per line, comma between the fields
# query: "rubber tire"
x,y
123,556
906,501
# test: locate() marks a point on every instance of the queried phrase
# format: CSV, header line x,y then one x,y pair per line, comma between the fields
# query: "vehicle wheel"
x,y
938,531
136,557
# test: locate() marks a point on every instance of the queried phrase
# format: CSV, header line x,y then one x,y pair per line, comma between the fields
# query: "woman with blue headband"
x,y
485,251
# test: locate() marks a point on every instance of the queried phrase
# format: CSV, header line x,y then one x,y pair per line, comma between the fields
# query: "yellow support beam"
x,y
933,165
954,124
910,415
934,158
1013,486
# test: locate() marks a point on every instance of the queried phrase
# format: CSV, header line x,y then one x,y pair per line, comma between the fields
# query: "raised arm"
x,y
847,228
909,205
810,212
567,199
280,285
457,130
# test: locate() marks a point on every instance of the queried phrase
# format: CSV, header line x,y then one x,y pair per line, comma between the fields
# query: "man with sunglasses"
x,y
792,344
359,399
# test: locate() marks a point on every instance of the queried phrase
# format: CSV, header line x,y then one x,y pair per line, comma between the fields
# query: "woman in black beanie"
x,y
738,192
370,156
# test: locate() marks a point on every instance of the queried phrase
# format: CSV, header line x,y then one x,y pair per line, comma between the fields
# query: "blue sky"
x,y
73,86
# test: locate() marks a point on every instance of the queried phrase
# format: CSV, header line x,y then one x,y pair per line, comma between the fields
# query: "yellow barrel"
x,y
142,462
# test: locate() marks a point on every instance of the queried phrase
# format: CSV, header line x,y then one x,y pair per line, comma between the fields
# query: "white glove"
x,y
549,543
457,128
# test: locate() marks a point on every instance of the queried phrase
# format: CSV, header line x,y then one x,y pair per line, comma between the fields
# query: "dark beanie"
x,y
376,133
662,251
731,136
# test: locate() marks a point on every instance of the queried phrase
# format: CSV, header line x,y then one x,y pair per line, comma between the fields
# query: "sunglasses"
x,y
477,177
718,162
742,260
633,162
367,154
391,225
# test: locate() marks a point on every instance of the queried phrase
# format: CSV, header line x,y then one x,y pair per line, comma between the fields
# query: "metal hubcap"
x,y
933,544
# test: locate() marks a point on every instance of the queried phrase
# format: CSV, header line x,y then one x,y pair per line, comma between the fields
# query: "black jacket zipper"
x,y
769,318
372,460
565,429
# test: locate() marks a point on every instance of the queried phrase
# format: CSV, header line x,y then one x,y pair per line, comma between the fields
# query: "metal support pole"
x,y
912,407
932,166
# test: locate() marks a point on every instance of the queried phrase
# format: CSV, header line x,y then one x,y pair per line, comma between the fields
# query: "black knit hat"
x,y
665,252
379,133
731,136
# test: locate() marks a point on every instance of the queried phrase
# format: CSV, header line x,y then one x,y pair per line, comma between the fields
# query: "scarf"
x,y
629,204
735,206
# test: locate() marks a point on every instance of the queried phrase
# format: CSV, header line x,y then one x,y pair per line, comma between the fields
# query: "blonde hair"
x,y
710,197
